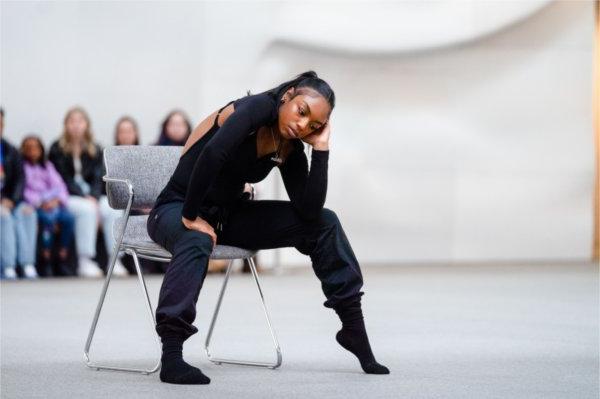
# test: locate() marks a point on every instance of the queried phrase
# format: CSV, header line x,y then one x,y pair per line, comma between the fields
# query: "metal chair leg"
x,y
216,313
90,337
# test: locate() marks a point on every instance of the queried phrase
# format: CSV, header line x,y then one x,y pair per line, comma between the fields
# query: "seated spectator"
x,y
126,133
175,129
18,221
78,159
46,191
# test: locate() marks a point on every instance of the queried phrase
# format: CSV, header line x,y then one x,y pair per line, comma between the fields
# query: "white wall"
x,y
476,146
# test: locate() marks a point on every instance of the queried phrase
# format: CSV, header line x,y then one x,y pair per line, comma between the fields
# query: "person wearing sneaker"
x,y
46,191
18,221
202,205
78,160
126,133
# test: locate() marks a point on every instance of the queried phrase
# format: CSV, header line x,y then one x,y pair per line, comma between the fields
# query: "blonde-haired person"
x,y
78,159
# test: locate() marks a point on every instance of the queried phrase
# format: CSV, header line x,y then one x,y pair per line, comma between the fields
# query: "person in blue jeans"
x,y
47,192
18,220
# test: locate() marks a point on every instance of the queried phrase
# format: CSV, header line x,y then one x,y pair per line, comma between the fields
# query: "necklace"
x,y
276,158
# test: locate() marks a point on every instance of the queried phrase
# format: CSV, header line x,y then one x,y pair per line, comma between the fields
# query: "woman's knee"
x,y
81,207
328,217
66,217
192,240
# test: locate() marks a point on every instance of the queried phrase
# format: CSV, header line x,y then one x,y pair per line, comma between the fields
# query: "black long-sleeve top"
x,y
14,177
215,168
91,169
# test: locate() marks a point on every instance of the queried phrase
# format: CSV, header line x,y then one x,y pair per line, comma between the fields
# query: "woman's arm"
x,y
307,190
247,116
56,181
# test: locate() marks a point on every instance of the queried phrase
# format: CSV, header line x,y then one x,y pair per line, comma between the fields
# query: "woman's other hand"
x,y
50,204
202,226
319,139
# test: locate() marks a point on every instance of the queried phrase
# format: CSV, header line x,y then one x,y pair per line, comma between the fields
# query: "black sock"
x,y
173,369
353,337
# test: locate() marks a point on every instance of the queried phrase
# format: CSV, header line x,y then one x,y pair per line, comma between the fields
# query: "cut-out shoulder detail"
x,y
205,126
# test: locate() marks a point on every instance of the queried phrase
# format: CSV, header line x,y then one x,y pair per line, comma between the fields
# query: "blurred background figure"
x,y
46,191
175,129
126,133
18,221
78,159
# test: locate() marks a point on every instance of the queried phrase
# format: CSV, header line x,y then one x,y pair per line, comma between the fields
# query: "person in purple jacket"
x,y
47,192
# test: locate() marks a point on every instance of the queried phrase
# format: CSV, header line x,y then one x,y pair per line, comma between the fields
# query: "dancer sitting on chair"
x,y
202,204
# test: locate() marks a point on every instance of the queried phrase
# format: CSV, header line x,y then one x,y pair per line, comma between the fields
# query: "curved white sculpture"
x,y
396,26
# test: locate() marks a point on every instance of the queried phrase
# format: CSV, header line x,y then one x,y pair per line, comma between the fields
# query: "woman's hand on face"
x,y
319,139
202,226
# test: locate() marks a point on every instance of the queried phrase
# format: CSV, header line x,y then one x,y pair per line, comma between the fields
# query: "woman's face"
x,y
176,127
31,150
76,126
303,114
126,133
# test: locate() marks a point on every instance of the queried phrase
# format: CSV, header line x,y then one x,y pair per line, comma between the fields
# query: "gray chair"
x,y
134,177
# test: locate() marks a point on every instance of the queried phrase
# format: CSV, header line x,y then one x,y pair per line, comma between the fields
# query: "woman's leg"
x,y
66,220
109,216
8,244
25,218
86,231
274,224
46,221
179,292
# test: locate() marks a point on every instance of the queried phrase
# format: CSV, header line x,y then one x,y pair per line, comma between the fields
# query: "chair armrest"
x,y
115,180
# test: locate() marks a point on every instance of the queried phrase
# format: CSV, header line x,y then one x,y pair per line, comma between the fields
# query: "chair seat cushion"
x,y
136,237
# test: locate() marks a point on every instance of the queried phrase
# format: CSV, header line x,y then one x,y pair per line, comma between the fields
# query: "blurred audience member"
x,y
176,129
46,191
78,159
126,133
18,221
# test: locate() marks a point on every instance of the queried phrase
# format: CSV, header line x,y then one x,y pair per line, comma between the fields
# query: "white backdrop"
x,y
469,140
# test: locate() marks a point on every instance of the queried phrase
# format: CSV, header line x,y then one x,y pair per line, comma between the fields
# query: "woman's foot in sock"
x,y
357,342
175,370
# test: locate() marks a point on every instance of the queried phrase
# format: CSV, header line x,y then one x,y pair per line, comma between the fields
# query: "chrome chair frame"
x,y
137,253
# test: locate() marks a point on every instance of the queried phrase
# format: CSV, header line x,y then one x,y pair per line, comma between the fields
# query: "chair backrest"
x,y
148,168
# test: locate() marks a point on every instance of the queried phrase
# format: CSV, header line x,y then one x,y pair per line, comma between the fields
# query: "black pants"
x,y
251,225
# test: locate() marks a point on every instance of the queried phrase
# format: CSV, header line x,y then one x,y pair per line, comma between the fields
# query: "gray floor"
x,y
474,331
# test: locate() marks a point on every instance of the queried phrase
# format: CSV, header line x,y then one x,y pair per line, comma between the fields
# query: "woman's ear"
x,y
290,93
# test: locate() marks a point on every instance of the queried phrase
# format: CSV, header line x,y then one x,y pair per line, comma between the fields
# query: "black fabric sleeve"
x,y
96,174
60,161
248,115
19,177
307,190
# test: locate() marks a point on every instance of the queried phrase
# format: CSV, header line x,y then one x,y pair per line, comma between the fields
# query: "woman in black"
x,y
203,204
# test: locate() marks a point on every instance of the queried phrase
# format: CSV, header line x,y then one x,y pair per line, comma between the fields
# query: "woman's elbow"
x,y
308,213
